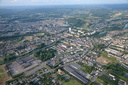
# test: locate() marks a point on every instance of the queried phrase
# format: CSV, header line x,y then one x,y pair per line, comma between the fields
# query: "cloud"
x,y
58,2
34,0
14,0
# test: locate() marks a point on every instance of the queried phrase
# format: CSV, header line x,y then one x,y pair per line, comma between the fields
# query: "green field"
x,y
1,70
72,82
1,61
40,34
85,26
111,58
115,69
86,68
107,81
2,76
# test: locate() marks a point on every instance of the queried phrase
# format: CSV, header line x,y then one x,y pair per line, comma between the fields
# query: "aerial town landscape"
x,y
64,45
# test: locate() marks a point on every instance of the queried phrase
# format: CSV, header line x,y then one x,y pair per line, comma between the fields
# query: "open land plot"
x,y
103,60
40,34
4,76
110,58
1,70
1,61
28,37
72,82
1,42
118,14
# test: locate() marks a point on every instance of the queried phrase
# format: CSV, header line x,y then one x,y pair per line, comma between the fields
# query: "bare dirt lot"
x,y
103,60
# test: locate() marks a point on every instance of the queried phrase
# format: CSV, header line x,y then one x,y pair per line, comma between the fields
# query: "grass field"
x,y
103,60
118,14
1,70
111,59
20,42
1,61
28,37
108,81
85,26
99,80
2,76
72,82
40,34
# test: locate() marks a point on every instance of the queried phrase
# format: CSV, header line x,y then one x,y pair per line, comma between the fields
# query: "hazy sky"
x,y
58,2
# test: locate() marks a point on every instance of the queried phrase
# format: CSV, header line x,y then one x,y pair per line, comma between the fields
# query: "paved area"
x,y
32,71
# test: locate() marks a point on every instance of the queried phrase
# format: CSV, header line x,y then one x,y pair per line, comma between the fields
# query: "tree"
x,y
45,54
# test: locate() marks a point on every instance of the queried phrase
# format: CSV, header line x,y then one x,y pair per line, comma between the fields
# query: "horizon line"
x,y
63,4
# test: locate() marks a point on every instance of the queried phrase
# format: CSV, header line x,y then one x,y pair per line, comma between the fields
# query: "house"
x,y
114,52
55,80
112,77
121,82
53,63
60,72
126,75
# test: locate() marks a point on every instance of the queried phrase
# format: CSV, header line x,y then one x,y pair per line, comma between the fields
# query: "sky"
x,y
58,2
